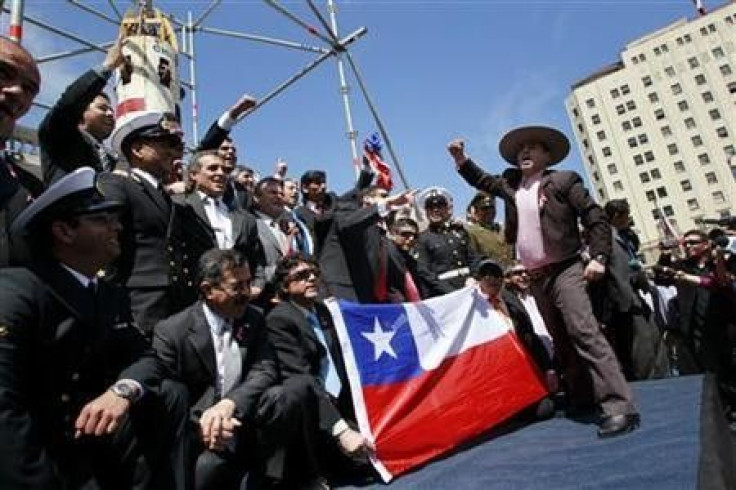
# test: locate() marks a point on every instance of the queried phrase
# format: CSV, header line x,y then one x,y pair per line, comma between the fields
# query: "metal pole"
x,y
207,12
44,25
376,117
70,53
311,29
263,39
115,9
345,92
193,79
94,11
16,20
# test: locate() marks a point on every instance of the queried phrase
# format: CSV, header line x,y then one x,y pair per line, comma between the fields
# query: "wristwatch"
x,y
125,390
602,259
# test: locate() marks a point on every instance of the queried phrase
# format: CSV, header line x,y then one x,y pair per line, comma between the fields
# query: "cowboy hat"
x,y
555,141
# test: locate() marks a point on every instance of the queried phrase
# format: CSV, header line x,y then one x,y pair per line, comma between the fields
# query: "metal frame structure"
x,y
333,46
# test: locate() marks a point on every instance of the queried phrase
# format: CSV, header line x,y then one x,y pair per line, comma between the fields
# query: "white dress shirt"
x,y
227,351
219,217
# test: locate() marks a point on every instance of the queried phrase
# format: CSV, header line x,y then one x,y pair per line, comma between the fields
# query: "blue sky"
x,y
436,70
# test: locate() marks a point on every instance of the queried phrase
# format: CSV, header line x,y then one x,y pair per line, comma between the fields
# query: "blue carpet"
x,y
563,454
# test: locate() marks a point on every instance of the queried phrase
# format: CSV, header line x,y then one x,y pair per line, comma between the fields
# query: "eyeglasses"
x,y
692,243
234,289
304,275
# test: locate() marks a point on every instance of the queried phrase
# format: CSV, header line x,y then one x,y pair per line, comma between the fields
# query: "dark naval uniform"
x,y
445,250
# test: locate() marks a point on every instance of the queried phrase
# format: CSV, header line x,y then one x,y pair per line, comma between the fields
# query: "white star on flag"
x,y
381,341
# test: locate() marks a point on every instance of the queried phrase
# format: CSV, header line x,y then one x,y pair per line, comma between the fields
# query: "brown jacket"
x,y
564,198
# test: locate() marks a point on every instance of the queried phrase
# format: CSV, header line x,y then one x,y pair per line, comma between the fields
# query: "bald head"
x,y
20,81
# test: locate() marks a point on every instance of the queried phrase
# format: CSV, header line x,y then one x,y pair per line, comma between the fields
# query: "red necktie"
x,y
410,288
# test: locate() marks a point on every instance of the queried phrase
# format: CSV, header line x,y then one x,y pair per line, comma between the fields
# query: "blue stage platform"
x,y
681,444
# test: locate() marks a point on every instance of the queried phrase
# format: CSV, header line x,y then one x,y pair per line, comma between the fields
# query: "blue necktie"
x,y
328,373
303,242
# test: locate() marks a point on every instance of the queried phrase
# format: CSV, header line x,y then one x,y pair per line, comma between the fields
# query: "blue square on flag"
x,y
383,343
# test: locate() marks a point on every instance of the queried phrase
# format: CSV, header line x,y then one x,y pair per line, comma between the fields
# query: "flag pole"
x,y
700,7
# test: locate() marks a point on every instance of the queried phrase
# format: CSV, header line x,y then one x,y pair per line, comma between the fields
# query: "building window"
x,y
615,93
601,135
651,196
670,71
679,167
722,132
618,186
718,197
692,204
666,131
631,105
693,62
668,211
714,114
711,28
596,119
732,88
585,143
636,122
638,160
703,31
661,192
689,123
676,89
657,51
687,38
647,81
620,109
612,169
659,114
707,97
606,151
725,70
700,79
632,142
575,112
697,140
644,177
634,60
717,52
704,159
590,103
653,97
686,185
656,175
672,149
682,105
729,150
596,177
625,90
626,125
642,57
591,161
711,178
601,194
643,139
649,156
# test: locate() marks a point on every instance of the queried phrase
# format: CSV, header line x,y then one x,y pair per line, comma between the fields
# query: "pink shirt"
x,y
529,240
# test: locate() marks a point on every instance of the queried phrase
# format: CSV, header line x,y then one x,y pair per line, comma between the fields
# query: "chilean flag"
x,y
372,157
426,376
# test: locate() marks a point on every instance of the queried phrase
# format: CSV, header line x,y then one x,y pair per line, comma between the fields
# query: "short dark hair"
x,y
695,231
284,267
261,184
214,262
310,176
616,206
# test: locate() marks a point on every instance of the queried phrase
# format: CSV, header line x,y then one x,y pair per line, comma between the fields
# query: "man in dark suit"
x,y
72,132
82,400
150,265
543,208
218,348
212,223
18,87
303,335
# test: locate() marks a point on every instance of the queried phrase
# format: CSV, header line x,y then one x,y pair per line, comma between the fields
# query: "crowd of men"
x,y
162,325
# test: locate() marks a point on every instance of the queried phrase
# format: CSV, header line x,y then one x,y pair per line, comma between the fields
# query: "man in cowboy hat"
x,y
83,402
444,247
543,207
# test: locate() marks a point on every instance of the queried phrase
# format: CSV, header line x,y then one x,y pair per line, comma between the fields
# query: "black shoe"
x,y
615,425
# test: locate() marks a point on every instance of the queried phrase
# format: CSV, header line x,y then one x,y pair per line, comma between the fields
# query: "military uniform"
x,y
490,243
446,251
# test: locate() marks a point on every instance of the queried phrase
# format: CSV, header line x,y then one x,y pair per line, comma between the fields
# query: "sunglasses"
x,y
692,243
304,275
167,140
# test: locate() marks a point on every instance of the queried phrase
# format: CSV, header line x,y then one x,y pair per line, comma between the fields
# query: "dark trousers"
x,y
149,451
149,306
564,303
266,445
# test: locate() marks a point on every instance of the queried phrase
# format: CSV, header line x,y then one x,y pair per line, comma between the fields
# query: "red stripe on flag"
x,y
464,397
16,31
130,105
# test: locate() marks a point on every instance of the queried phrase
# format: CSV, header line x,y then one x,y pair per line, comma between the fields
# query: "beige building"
x,y
658,127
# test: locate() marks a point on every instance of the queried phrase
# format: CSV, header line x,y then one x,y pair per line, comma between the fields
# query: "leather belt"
x,y
550,269
462,271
